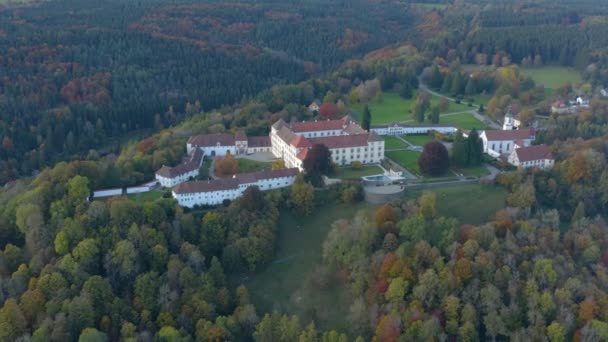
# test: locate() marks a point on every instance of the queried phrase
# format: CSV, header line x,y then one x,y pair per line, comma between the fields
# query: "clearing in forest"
x,y
552,76
390,107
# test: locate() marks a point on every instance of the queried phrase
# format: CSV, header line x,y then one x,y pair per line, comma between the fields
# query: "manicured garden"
x,y
391,107
392,143
407,159
472,204
248,165
419,139
552,76
349,172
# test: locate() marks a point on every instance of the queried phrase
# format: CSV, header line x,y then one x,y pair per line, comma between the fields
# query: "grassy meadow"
x,y
284,285
391,107
464,121
472,204
552,76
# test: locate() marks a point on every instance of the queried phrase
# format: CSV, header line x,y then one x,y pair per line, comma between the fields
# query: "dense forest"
x,y
132,269
77,73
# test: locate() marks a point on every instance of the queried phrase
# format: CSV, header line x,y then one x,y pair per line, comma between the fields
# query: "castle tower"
x,y
508,123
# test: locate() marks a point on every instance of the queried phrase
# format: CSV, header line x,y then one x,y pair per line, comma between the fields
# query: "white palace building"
x,y
212,192
345,139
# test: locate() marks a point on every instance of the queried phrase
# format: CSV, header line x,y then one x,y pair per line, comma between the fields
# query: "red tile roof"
x,y
500,135
302,154
192,163
206,186
240,136
531,153
300,142
232,182
207,140
319,125
341,141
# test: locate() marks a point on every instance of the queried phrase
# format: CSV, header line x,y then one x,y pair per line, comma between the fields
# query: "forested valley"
x,y
77,75
73,83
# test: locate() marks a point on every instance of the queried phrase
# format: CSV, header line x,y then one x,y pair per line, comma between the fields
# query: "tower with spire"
x,y
508,123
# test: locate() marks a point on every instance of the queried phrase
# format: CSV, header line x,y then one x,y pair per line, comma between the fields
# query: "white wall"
x,y
219,150
316,134
403,130
107,193
217,197
137,189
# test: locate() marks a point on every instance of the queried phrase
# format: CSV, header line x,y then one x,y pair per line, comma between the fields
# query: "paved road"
x,y
493,172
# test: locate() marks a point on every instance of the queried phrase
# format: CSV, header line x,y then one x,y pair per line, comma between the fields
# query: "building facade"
x,y
346,141
171,176
499,142
213,192
398,129
224,143
532,156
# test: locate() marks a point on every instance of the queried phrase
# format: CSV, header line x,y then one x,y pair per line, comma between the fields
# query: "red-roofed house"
x,y
532,156
559,107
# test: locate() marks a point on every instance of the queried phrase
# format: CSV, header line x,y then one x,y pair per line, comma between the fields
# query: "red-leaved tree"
x,y
329,110
434,160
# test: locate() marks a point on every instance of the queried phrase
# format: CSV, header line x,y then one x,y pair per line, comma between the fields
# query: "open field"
x,y
393,108
284,284
407,159
472,204
552,76
351,173
419,139
464,121
248,165
391,143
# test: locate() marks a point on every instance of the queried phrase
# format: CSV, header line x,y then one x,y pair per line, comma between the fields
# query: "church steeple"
x,y
508,123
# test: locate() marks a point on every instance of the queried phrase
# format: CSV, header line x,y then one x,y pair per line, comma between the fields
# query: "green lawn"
x,y
146,196
464,121
248,165
407,159
351,173
472,204
391,107
391,143
284,284
419,139
478,171
552,76
480,99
